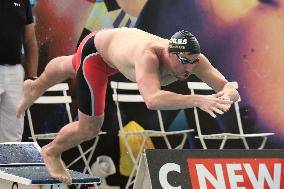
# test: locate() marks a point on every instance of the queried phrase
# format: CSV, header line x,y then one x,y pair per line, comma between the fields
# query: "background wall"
x,y
243,39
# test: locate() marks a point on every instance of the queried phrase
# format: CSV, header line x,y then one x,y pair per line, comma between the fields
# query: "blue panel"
x,y
13,153
39,175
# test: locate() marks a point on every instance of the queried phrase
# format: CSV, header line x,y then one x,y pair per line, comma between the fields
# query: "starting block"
x,y
21,167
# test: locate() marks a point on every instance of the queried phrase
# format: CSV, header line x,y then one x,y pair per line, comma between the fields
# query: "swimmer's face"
x,y
183,64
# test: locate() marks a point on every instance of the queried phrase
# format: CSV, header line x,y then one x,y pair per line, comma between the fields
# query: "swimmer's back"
x,y
123,41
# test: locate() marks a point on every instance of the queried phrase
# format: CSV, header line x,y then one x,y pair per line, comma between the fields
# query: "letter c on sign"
x,y
163,175
15,185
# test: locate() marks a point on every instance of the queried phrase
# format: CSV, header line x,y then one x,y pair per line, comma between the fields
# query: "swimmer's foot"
x,y
55,166
28,97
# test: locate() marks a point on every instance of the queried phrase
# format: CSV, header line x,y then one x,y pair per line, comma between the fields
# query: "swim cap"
x,y
183,42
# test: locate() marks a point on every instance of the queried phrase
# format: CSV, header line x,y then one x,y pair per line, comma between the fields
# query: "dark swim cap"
x,y
183,42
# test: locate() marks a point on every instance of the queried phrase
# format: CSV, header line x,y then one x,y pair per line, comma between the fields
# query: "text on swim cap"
x,y
179,41
177,47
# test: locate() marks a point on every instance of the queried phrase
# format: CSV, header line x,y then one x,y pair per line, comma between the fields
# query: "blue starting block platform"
x,y
21,167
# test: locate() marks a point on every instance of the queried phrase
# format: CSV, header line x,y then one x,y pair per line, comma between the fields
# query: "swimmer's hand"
x,y
214,104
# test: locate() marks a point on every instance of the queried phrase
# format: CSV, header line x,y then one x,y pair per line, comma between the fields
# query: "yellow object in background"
x,y
135,142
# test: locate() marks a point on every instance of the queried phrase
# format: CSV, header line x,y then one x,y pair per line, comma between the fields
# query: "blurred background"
x,y
241,38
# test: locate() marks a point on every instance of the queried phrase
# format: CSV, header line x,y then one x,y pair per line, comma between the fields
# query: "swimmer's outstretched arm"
x,y
148,82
